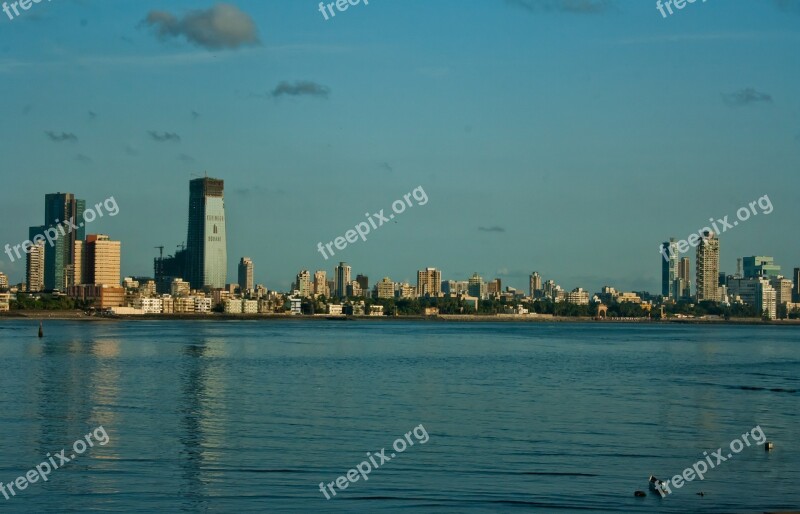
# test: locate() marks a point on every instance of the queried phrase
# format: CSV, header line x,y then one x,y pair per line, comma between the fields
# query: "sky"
x,y
568,137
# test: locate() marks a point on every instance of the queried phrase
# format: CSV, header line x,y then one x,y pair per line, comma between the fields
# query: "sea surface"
x,y
250,416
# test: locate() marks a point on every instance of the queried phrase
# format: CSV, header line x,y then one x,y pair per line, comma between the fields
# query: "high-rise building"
x,y
206,243
167,269
670,284
536,285
363,282
385,288
341,277
766,297
429,282
783,290
476,287
58,209
246,282
3,282
34,270
707,272
685,277
760,266
321,284
494,287
796,287
100,261
303,283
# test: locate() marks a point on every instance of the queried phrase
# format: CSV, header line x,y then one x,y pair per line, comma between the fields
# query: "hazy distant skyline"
x,y
570,141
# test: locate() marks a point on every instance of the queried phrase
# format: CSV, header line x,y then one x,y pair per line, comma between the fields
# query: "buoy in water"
x,y
768,446
640,494
41,330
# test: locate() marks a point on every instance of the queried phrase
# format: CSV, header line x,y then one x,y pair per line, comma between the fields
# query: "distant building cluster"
x,y
193,279
758,284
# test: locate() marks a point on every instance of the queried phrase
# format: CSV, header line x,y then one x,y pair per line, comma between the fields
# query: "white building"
x,y
202,304
766,299
578,296
149,305
295,304
233,306
335,310
250,306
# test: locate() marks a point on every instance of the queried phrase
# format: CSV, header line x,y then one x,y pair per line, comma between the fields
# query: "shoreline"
x,y
443,318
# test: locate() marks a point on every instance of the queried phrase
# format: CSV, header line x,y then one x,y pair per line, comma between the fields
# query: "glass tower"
x,y
206,246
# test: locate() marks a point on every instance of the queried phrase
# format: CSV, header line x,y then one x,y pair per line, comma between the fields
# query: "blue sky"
x,y
584,138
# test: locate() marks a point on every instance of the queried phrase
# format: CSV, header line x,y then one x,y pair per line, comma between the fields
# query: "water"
x,y
252,416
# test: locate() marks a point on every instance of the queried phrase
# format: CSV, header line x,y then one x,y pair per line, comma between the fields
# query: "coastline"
x,y
446,318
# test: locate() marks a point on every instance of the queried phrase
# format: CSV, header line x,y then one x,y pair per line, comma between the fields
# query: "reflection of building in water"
x,y
203,420
77,388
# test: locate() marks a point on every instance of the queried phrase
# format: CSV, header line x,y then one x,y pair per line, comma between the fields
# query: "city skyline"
x,y
533,176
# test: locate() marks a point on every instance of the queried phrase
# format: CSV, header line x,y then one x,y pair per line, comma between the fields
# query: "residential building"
x,y
385,288
202,304
149,305
536,285
5,302
783,290
233,306
179,288
303,283
296,305
342,279
494,287
249,306
3,282
321,284
707,273
406,290
760,266
670,284
429,282
246,282
334,309
766,298
34,270
354,290
376,310
207,257
578,296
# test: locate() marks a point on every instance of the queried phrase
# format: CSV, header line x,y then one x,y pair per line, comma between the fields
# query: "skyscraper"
x,y
34,274
58,208
685,277
101,260
796,287
246,274
207,257
429,282
341,277
669,269
536,285
707,272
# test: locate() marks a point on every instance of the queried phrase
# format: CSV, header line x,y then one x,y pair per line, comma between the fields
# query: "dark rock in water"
x,y
701,493
640,494
41,331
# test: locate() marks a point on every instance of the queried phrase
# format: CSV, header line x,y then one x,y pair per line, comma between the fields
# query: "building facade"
x,y
670,285
707,272
341,276
246,282
207,256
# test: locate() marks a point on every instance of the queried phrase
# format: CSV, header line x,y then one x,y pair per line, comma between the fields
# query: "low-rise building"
x,y
233,306
334,309
149,305
5,302
295,305
202,304
376,310
249,306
